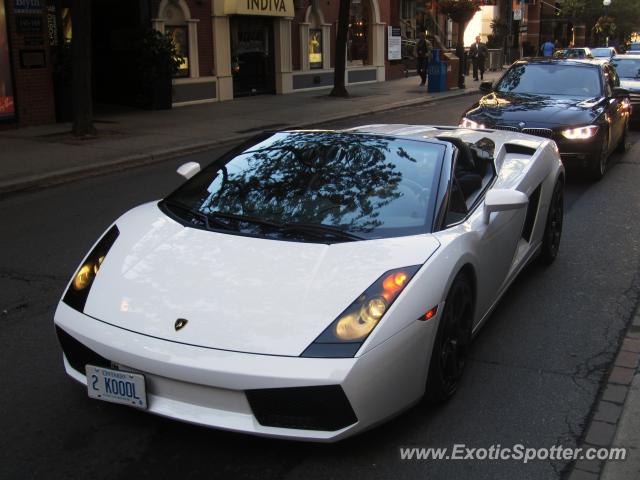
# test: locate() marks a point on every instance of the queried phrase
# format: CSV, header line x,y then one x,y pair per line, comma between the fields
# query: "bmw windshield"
x,y
551,79
316,186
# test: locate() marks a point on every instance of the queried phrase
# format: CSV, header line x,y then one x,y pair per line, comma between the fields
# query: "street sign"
x,y
394,43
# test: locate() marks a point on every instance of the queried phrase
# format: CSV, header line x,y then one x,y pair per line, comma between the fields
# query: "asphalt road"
x,y
535,371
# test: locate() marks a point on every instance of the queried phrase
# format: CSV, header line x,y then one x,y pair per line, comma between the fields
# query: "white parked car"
x,y
312,284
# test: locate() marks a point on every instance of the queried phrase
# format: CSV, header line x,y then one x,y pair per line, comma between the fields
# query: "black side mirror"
x,y
619,92
486,87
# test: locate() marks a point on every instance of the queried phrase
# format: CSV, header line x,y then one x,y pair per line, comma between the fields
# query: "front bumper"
x,y
209,387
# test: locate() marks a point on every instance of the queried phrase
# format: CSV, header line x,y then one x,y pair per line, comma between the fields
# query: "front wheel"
x,y
599,162
553,228
452,341
622,145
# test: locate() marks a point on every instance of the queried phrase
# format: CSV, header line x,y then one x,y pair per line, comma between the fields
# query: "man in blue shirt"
x,y
547,48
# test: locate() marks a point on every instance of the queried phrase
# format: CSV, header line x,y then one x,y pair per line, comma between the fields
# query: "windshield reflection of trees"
x,y
565,81
320,178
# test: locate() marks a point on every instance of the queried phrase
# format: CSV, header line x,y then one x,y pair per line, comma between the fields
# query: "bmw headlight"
x,y
78,291
348,332
580,133
468,123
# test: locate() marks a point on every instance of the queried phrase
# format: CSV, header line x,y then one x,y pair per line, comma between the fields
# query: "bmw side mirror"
x,y
501,200
486,87
619,92
189,169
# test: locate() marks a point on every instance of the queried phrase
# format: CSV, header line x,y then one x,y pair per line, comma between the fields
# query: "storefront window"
x,y
358,42
315,48
7,107
180,37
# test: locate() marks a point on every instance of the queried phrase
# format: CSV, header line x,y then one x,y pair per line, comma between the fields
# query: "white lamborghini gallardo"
x,y
311,284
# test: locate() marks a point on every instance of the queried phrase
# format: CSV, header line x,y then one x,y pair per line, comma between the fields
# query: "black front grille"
x,y
77,354
306,408
507,128
539,132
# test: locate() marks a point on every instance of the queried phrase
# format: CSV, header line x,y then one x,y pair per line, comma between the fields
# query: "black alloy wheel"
x,y
553,228
599,162
451,345
622,145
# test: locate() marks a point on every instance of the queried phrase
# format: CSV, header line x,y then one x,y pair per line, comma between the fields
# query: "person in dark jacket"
x,y
423,52
478,53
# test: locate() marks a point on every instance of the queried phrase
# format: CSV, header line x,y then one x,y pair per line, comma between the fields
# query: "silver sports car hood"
x,y
236,293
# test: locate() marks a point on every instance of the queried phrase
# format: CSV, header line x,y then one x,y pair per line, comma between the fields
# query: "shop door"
x,y
252,55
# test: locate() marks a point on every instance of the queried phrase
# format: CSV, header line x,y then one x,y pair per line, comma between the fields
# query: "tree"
x,y
625,14
81,69
460,12
339,88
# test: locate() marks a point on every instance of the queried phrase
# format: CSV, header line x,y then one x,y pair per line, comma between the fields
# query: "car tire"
x,y
622,145
599,162
451,344
553,228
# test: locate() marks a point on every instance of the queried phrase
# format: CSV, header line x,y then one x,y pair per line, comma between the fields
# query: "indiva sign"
x,y
267,5
278,8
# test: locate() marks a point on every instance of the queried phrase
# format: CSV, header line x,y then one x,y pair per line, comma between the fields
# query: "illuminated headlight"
x,y
580,133
346,334
468,123
78,292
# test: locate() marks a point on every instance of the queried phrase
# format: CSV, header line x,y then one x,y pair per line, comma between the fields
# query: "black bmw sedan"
x,y
577,103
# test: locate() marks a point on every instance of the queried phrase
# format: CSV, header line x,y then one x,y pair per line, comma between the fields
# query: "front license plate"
x,y
115,386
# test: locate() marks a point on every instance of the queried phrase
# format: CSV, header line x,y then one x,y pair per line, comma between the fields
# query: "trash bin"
x,y
437,73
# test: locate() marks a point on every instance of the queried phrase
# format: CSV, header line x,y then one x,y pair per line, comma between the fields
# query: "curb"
x,y
37,181
601,430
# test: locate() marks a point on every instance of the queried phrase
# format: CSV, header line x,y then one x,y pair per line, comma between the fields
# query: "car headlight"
x,y
468,123
78,291
347,333
580,133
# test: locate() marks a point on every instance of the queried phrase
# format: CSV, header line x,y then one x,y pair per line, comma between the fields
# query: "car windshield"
x,y
601,52
293,183
627,67
551,79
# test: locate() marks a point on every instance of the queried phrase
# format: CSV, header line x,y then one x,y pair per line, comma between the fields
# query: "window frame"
x,y
448,184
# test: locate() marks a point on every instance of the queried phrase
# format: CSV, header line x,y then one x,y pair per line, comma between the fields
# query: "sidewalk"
x,y
616,422
37,156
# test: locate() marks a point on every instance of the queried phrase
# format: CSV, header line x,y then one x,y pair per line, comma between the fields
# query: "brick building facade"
x,y
230,48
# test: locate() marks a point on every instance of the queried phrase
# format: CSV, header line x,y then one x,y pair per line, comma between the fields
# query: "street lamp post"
x,y
605,4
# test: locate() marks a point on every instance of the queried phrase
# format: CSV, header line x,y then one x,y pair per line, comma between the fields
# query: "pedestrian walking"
x,y
478,53
547,48
423,53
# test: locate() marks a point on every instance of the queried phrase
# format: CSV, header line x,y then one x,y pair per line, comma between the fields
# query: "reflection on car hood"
x,y
633,85
535,110
237,293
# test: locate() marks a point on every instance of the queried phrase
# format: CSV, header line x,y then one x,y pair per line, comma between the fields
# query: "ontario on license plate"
x,y
115,386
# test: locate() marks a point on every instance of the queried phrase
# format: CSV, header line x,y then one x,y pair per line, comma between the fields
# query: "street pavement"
x,y
126,138
536,370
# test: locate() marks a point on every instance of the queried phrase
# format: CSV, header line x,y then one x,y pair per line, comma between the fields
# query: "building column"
x,y
194,61
222,58
157,24
377,49
326,46
304,46
282,41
